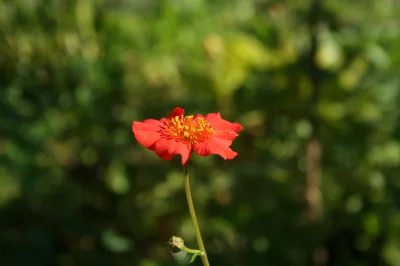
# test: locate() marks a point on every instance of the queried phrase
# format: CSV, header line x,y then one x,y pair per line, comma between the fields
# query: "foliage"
x,y
76,188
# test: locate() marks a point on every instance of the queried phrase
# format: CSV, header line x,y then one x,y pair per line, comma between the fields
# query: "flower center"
x,y
187,129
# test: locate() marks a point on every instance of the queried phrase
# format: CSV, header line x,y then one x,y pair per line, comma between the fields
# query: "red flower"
x,y
179,134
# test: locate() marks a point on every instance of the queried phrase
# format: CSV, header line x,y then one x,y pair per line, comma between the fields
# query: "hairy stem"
x,y
194,219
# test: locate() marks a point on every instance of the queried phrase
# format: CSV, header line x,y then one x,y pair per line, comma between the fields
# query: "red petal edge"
x,y
146,132
166,148
225,133
219,124
176,112
215,146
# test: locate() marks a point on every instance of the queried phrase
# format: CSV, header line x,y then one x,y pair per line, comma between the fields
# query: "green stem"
x,y
194,219
192,251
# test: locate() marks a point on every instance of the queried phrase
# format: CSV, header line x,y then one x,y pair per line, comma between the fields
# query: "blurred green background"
x,y
314,83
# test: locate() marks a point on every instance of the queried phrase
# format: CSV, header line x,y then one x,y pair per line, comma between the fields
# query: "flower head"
x,y
179,134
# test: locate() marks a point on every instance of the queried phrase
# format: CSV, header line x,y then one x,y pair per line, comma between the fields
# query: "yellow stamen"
x,y
188,129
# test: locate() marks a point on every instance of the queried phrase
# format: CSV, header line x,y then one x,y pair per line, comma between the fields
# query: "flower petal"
x,y
223,129
219,124
176,112
215,145
157,136
166,148
228,137
147,132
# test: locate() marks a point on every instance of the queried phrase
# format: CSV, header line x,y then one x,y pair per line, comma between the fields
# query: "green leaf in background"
x,y
115,242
